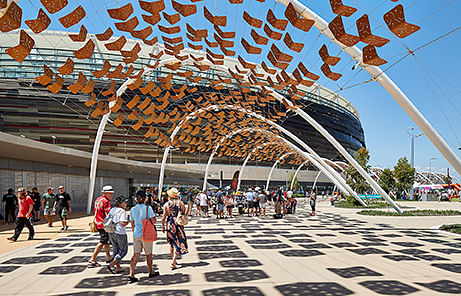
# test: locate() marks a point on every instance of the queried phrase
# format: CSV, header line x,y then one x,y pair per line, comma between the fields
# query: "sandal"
x,y
173,266
93,264
111,269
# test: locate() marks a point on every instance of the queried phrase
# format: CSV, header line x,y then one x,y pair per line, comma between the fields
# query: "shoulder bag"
x,y
93,227
181,219
149,233
108,224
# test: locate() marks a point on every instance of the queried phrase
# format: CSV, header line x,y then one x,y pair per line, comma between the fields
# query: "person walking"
x,y
278,199
102,207
35,195
190,202
48,200
10,200
26,205
139,213
312,202
118,239
62,206
219,204
262,203
203,204
175,234
229,203
249,197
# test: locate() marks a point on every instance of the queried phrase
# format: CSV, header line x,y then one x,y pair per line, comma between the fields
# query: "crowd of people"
x,y
25,208
113,214
111,224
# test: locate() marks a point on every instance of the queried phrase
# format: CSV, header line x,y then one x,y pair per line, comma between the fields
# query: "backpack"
x,y
108,224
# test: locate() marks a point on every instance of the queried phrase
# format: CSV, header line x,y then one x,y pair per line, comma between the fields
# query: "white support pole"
x,y
97,144
296,174
315,180
274,166
270,173
248,158
388,84
344,153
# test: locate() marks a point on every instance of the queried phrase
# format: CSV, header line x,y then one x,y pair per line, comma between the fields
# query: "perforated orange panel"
x,y
152,19
73,18
153,7
279,24
395,20
336,26
328,73
53,6
22,50
67,68
86,51
39,24
272,34
326,58
81,36
370,56
121,13
296,20
364,29
116,45
184,9
11,19
46,77
128,26
339,8
254,22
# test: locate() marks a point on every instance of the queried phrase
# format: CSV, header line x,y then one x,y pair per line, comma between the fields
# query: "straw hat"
x,y
108,189
173,193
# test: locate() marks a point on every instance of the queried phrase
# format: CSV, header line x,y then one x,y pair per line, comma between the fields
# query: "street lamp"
x,y
430,164
413,135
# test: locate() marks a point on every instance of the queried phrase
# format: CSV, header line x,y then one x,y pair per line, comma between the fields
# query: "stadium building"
x,y
46,120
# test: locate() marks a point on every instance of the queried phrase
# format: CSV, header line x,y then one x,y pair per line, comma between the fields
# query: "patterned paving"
x,y
329,254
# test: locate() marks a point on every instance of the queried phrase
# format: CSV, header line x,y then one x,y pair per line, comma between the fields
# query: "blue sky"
x,y
430,78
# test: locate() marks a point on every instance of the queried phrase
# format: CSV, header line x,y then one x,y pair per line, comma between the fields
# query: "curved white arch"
x,y
314,157
334,179
273,167
248,158
315,180
296,173
385,82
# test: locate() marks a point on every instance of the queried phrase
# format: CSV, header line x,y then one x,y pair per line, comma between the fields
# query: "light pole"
x,y
413,135
430,164
54,139
126,157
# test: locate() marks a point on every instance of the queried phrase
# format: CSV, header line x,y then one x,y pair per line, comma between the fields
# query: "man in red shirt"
x,y
101,209
26,205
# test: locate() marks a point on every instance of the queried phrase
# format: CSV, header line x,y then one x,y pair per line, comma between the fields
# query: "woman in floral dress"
x,y
175,233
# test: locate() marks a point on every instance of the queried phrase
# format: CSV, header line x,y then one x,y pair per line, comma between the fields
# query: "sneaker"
x,y
132,280
13,239
156,273
67,228
30,238
62,228
111,269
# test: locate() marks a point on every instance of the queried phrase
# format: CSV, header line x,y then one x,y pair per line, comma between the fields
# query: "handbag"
x,y
182,219
93,227
108,224
149,233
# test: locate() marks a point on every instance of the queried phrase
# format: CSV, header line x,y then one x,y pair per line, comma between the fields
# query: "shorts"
x,y
139,245
204,207
256,204
36,206
48,212
250,204
262,205
62,212
189,204
104,236
220,207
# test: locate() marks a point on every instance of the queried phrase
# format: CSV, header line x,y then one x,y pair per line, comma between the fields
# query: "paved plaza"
x,y
336,252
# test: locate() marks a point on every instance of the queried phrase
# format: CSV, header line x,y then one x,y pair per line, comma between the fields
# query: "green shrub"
x,y
456,228
411,213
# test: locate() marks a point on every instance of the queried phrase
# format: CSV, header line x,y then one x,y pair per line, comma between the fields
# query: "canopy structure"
x,y
187,78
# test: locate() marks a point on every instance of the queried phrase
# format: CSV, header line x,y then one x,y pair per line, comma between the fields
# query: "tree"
x,y
387,180
404,175
296,184
353,177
